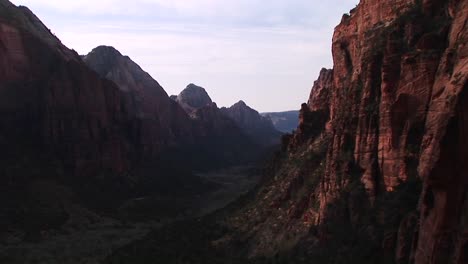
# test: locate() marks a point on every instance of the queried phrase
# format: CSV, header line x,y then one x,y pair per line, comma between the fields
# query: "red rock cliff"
x,y
400,75
396,110
50,101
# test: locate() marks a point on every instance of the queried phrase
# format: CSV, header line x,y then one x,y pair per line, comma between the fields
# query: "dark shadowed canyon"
x,y
100,165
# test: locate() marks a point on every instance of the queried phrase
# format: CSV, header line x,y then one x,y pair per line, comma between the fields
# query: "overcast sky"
x,y
267,53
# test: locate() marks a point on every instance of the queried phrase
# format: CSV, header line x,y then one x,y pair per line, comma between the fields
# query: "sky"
x,y
266,53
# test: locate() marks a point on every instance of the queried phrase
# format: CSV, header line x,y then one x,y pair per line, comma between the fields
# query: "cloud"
x,y
270,12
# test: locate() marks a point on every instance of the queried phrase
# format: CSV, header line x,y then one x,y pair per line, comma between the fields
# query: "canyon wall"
x,y
52,103
379,155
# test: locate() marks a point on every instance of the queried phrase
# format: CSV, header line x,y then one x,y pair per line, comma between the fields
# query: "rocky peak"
x,y
242,108
320,95
194,97
144,99
240,104
102,58
109,63
21,17
258,127
109,50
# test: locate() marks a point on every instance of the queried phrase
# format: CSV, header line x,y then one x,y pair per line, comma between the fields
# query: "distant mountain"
x,y
217,129
198,104
285,122
193,97
258,128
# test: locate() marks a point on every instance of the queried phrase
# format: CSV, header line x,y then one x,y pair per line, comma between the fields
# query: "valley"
x,y
97,237
100,165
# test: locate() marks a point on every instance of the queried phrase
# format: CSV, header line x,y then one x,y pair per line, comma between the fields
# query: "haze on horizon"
x,y
266,54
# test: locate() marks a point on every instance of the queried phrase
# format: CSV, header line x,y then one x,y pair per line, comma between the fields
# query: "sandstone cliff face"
x,y
260,129
395,104
413,79
62,131
52,102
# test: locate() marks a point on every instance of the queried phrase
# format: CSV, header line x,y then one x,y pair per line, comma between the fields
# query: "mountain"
x,y
375,172
53,107
83,136
224,138
285,122
67,158
257,127
159,122
193,97
188,125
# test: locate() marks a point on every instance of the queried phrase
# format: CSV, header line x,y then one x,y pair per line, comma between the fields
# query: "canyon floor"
x,y
97,237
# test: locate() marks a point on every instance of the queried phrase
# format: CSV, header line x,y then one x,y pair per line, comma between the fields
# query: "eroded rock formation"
x,y
379,155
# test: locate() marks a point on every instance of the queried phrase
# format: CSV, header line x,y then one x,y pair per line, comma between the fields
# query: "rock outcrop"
x,y
260,129
376,170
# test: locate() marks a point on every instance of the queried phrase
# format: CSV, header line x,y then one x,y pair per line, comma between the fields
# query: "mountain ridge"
x,y
259,128
285,122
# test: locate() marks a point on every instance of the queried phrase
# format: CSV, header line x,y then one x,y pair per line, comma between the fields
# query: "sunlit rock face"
x,y
404,63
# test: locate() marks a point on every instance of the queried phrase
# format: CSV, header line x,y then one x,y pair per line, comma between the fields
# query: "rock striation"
x,y
51,101
375,171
